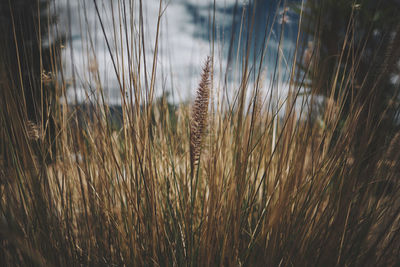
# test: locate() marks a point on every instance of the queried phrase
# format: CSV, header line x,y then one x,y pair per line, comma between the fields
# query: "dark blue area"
x,y
253,22
257,17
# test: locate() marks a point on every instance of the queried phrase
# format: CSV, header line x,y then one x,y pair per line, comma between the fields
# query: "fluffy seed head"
x,y
198,123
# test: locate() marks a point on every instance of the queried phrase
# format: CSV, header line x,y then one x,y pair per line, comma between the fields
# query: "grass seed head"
x,y
198,121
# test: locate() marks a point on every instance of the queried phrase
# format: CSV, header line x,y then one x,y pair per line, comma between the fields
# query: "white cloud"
x,y
180,56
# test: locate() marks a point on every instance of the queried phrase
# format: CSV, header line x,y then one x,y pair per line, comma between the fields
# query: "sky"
x,y
184,44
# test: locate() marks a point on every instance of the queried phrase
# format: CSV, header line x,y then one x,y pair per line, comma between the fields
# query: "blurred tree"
x,y
361,39
29,57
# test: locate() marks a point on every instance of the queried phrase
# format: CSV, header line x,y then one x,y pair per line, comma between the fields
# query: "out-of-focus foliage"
x,y
29,55
353,46
366,30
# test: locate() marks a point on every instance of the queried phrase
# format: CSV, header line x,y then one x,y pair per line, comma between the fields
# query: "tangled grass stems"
x,y
272,190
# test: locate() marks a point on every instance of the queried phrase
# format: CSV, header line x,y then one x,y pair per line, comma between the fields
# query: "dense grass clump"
x,y
250,182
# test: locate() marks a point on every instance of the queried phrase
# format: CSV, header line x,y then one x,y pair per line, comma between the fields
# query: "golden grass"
x,y
267,190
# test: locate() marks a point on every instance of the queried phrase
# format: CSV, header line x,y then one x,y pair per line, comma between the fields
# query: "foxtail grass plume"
x,y
198,123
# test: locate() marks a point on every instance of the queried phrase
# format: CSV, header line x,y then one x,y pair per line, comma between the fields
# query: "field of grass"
x,y
307,182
